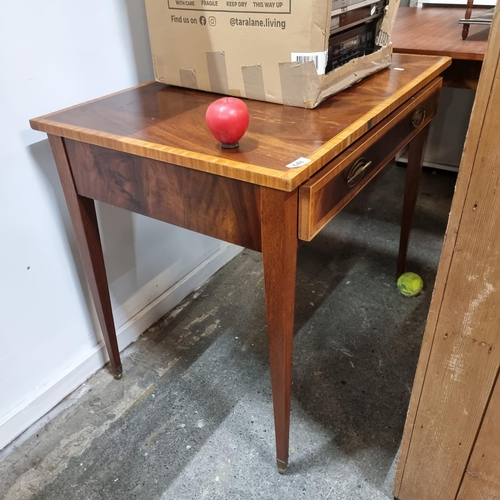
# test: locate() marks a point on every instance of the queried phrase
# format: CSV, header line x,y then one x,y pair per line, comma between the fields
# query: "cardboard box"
x,y
269,51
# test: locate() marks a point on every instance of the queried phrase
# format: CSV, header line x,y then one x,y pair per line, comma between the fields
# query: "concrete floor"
x,y
192,417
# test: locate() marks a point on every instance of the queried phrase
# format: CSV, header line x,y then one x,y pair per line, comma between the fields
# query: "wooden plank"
x,y
168,124
458,361
482,477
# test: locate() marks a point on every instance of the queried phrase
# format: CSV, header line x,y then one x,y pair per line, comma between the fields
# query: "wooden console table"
x,y
435,31
147,150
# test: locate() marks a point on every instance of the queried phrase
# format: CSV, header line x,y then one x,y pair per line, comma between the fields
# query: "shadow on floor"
x,y
192,417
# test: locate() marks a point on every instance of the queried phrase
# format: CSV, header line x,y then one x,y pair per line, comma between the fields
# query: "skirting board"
x,y
47,397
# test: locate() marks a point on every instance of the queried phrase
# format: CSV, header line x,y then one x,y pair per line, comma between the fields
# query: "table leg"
x,y
468,13
279,255
84,219
413,173
465,31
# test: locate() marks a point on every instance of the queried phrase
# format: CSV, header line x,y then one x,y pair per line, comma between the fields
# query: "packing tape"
x,y
217,72
300,84
383,38
188,78
253,80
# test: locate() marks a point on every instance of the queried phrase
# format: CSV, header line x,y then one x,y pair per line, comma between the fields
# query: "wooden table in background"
x,y
435,31
147,150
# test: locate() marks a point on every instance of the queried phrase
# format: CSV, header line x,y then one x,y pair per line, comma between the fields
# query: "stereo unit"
x,y
351,43
357,16
353,29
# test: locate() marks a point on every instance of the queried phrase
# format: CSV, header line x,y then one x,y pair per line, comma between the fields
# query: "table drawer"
x,y
330,189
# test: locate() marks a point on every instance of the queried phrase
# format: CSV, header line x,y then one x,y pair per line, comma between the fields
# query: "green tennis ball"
x,y
410,284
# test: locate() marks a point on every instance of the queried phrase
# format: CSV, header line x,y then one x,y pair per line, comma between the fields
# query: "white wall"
x,y
54,54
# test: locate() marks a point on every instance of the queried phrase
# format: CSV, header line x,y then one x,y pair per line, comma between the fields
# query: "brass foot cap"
x,y
118,372
282,466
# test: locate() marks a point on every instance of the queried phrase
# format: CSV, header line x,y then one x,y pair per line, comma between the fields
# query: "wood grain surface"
x,y
470,150
148,150
167,124
208,204
460,356
482,477
435,31
84,220
279,258
327,192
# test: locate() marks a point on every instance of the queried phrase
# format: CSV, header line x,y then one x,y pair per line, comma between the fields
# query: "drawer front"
x,y
330,189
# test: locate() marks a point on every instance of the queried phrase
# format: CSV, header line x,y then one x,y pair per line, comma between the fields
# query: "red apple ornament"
x,y
227,119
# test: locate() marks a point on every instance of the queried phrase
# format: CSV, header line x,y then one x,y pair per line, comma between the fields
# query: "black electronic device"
x,y
359,15
351,43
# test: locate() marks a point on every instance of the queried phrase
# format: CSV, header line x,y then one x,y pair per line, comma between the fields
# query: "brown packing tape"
x,y
217,72
246,61
300,84
188,78
158,67
253,80
383,38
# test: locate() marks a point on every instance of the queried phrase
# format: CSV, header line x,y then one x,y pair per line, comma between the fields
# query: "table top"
x,y
167,123
435,31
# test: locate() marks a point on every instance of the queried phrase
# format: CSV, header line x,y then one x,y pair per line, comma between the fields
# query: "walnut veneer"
x,y
147,150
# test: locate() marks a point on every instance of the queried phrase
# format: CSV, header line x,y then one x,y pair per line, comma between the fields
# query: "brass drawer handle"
x,y
357,171
418,117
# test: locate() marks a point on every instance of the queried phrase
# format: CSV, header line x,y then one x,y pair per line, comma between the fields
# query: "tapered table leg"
x,y
413,173
84,219
279,255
